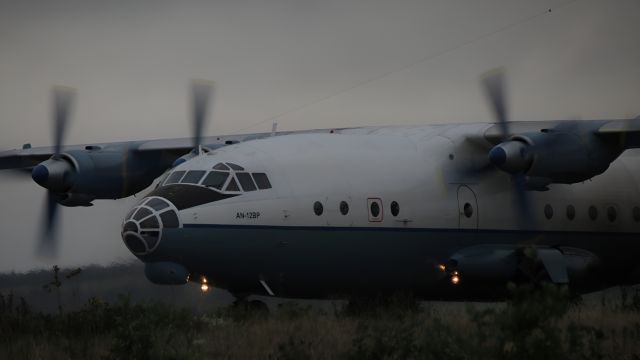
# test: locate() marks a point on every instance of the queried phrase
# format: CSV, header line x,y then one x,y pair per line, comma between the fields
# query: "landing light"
x,y
442,267
455,279
204,285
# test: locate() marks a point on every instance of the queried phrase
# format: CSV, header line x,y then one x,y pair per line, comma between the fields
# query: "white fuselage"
x,y
420,168
380,210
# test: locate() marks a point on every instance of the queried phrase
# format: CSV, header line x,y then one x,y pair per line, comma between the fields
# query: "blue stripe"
x,y
391,229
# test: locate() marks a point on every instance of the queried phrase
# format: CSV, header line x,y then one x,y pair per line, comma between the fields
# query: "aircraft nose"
x,y
144,225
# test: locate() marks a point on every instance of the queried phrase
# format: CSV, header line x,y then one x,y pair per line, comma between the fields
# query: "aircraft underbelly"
x,y
321,262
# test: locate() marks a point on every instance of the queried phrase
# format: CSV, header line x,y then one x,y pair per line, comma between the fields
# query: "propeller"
x,y
62,102
493,83
201,94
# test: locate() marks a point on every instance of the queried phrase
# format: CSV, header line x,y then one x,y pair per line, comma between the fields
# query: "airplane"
x,y
445,212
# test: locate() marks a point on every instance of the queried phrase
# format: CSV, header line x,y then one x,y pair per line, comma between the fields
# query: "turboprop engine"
x,y
566,154
78,177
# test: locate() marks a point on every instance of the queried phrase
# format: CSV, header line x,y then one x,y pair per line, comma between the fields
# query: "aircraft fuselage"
x,y
380,210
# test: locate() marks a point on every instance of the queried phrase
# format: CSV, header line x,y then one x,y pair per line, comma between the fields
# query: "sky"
x,y
305,64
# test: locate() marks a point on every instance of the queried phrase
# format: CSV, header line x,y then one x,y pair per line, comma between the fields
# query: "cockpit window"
x,y
262,181
221,166
215,179
174,178
157,204
193,177
142,213
233,185
228,176
235,166
169,219
151,223
246,182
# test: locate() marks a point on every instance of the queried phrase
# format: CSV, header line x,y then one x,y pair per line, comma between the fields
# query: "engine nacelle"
x,y
56,174
493,266
563,155
75,199
80,176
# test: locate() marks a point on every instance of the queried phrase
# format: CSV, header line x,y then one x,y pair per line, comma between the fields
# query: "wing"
x,y
626,133
24,158
627,130
81,173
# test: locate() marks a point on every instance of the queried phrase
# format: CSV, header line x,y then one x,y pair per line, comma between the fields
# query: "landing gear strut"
x,y
250,307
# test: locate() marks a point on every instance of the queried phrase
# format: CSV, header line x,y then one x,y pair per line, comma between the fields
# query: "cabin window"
x,y
612,214
174,178
344,208
193,177
215,179
548,212
593,213
318,208
375,209
262,181
467,209
636,213
571,212
395,208
246,182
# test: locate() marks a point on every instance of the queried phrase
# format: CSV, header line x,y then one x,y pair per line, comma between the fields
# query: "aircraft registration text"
x,y
248,215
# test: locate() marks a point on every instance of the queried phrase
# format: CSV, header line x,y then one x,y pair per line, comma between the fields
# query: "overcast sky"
x,y
322,64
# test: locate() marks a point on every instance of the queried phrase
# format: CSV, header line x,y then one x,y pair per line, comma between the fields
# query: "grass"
x,y
535,323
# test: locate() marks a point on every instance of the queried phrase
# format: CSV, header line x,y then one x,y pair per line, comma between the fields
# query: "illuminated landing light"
x,y
442,268
455,278
204,284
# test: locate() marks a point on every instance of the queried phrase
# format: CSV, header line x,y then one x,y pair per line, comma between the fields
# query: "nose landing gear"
x,y
242,305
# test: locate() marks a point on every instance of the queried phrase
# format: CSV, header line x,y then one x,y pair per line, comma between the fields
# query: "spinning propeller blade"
x,y
201,94
62,98
494,88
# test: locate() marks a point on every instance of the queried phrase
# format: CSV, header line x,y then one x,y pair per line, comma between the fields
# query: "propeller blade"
x,y
62,99
48,240
493,83
201,93
62,103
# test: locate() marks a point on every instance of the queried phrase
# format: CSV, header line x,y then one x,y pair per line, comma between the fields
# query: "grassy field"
x,y
535,323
